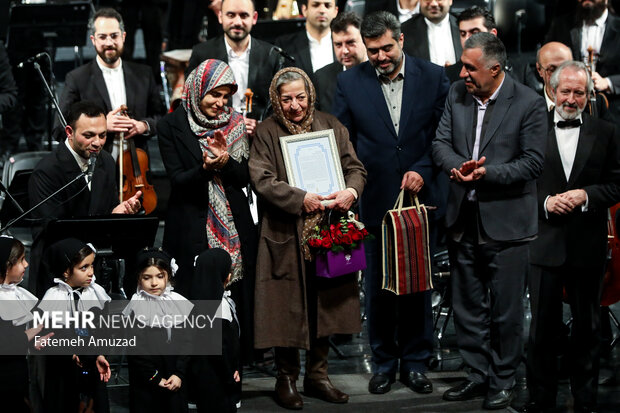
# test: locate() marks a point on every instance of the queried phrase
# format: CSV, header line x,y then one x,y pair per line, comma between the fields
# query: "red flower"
x,y
326,243
324,233
364,232
346,239
357,236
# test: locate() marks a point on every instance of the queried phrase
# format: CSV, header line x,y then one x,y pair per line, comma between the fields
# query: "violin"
x,y
611,282
133,164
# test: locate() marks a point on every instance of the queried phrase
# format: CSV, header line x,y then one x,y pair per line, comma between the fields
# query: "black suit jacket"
x,y
579,238
416,37
52,172
263,66
143,99
565,29
185,233
513,145
326,85
298,46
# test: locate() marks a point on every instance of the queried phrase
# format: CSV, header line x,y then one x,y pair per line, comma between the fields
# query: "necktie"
x,y
572,123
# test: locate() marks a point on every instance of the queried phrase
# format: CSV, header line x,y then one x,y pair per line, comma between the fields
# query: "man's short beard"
x,y
236,38
568,116
395,63
111,60
590,14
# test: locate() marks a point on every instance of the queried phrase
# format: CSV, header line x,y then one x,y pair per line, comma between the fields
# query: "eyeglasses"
x,y
103,36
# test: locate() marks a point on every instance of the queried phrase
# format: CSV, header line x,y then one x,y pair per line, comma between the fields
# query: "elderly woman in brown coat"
x,y
294,308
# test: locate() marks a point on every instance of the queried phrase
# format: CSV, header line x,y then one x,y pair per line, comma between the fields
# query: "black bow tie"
x,y
572,123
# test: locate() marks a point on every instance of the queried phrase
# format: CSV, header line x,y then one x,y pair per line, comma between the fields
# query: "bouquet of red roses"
x,y
344,235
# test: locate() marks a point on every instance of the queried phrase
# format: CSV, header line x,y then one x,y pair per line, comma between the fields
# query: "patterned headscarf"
x,y
211,74
306,123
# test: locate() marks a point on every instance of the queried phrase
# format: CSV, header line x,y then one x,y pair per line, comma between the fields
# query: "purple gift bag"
x,y
335,264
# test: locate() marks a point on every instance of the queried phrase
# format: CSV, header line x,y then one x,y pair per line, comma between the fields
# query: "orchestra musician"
x,y
111,82
85,137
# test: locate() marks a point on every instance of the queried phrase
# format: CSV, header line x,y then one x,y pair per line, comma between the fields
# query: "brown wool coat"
x,y
281,316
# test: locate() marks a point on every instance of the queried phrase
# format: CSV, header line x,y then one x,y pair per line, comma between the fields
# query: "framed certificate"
x,y
312,162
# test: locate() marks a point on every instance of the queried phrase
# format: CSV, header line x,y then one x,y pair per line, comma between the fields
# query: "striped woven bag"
x,y
405,248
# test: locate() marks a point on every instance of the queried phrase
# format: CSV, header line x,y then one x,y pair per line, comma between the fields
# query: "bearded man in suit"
x,y
581,180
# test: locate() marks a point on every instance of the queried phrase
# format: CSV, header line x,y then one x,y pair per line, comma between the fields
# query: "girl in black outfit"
x,y
16,305
217,377
157,378
77,381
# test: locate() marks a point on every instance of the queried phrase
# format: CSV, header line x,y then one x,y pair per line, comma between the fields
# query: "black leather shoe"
x,y
499,400
380,383
417,382
465,391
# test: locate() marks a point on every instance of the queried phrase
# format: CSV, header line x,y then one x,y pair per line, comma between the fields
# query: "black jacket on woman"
x,y
185,234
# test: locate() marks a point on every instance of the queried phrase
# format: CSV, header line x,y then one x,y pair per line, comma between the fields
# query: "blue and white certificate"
x,y
312,162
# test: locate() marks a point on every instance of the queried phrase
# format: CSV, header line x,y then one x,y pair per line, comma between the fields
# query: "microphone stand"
x,y
53,103
13,200
19,218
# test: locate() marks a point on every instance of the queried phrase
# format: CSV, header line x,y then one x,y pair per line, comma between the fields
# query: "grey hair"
x,y
377,23
288,77
575,65
493,50
107,13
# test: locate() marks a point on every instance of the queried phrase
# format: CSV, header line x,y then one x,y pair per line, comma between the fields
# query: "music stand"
x,y
60,25
124,235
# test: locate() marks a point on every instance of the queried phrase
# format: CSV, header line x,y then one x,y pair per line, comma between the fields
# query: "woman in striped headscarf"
x,y
205,149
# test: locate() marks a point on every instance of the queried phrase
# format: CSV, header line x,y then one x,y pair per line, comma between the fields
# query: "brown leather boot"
x,y
324,389
286,393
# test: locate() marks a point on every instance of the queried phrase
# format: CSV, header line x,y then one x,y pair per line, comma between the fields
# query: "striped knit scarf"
x,y
211,74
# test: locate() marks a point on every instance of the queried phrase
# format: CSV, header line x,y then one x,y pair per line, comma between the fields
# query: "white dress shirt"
x,y
115,85
406,14
440,44
81,162
240,65
567,139
321,52
548,100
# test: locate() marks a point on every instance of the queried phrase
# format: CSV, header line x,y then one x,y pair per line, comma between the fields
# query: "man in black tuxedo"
x,y
350,51
111,82
491,142
593,26
253,61
86,135
433,34
581,180
312,47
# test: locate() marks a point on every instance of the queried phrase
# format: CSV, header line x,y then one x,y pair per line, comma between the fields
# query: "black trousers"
x,y
583,290
488,280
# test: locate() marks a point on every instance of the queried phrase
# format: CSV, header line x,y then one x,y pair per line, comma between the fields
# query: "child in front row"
x,y
16,306
217,377
70,378
157,378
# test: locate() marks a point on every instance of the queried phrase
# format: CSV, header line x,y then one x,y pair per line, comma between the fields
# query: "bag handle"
x,y
399,201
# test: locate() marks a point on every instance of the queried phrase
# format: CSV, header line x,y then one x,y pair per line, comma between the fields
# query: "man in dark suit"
x,y
581,180
111,82
392,134
253,61
312,47
491,142
85,137
433,34
476,19
594,27
350,51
